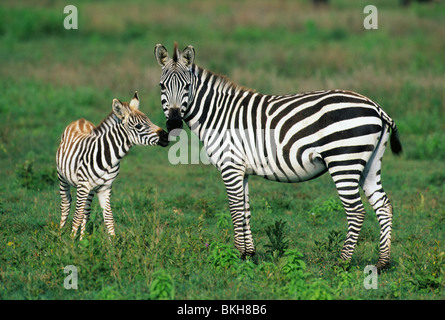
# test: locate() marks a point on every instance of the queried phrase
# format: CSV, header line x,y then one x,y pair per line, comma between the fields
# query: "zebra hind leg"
x,y
372,186
355,215
347,183
65,203
82,198
384,211
86,214
384,216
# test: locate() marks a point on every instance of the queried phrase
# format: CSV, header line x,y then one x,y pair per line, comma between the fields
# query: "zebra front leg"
x,y
250,247
104,200
65,203
82,198
234,182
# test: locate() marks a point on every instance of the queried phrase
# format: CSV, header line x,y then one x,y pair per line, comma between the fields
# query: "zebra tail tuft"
x,y
396,145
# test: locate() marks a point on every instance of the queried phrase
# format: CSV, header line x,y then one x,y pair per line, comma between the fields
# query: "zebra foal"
x,y
285,138
88,158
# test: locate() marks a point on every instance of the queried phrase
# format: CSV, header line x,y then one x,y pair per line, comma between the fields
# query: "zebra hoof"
x,y
382,265
246,253
249,253
343,264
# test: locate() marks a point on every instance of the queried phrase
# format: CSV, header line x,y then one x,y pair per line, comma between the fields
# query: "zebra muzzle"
x,y
174,121
163,138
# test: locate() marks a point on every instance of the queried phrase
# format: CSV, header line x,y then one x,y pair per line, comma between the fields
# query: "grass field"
x,y
174,234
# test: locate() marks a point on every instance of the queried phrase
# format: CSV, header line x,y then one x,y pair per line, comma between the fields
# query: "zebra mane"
x,y
175,52
110,119
224,80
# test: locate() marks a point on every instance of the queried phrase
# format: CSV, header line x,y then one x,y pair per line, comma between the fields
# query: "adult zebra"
x,y
289,138
88,158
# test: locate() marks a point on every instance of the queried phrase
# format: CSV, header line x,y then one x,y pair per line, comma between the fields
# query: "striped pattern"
x,y
290,138
88,158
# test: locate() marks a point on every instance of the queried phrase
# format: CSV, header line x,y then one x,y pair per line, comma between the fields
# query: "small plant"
x,y
246,270
109,293
332,243
222,256
319,210
162,286
196,240
294,263
301,284
302,289
344,280
278,243
429,275
224,220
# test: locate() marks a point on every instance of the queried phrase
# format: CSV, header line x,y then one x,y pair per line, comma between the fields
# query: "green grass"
x,y
174,234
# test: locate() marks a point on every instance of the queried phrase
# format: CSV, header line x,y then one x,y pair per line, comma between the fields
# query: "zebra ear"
x,y
161,54
134,103
188,55
119,109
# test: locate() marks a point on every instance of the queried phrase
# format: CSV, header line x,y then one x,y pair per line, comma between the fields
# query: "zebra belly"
x,y
284,167
100,179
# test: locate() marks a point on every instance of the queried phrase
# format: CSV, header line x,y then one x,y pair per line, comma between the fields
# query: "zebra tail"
x,y
396,145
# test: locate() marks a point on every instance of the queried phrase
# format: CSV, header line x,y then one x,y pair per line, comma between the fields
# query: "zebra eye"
x,y
138,126
162,86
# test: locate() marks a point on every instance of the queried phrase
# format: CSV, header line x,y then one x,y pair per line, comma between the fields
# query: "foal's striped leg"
x,y
65,203
82,198
104,200
86,213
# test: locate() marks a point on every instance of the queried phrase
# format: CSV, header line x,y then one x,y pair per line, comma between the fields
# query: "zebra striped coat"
x,y
88,158
288,138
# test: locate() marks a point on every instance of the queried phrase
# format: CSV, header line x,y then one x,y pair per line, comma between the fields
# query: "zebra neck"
x,y
113,140
215,95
